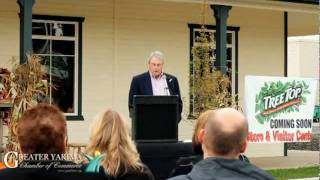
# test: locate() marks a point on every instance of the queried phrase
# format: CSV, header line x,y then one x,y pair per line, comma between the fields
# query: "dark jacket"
x,y
141,85
216,168
184,165
75,172
66,170
146,174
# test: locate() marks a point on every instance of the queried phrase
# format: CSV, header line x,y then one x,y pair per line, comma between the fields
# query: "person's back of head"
x,y
200,124
110,136
42,129
225,133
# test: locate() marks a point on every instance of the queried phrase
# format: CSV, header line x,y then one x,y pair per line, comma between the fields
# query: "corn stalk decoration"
x,y
27,88
210,88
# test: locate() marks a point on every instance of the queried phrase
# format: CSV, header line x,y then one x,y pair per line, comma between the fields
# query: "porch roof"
x,y
315,2
305,6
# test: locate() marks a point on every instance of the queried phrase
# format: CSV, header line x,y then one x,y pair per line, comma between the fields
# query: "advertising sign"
x,y
279,109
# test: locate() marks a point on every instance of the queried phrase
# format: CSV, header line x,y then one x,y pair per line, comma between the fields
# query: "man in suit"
x,y
154,82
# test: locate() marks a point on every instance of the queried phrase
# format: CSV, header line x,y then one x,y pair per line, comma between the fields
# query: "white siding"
x,y
118,36
303,58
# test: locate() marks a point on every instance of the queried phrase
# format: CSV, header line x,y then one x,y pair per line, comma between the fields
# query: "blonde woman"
x,y
119,157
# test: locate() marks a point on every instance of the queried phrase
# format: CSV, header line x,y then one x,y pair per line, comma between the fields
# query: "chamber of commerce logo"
x,y
279,97
13,159
10,160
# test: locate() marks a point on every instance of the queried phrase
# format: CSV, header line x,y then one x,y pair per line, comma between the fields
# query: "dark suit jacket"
x,y
141,85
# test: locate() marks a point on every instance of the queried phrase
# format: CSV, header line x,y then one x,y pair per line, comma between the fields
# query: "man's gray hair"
x,y
156,54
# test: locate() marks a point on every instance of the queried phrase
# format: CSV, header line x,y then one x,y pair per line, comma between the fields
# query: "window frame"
x,y
234,30
77,21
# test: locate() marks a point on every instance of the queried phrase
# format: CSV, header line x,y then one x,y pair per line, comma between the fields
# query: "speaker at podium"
x,y
155,118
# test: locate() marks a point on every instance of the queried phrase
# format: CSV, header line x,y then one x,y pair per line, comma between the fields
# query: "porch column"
x,y
221,15
25,28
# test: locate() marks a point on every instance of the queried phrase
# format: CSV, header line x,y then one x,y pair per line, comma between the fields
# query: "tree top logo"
x,y
279,97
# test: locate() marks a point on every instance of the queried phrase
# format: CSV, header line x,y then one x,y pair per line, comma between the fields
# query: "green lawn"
x,y
303,172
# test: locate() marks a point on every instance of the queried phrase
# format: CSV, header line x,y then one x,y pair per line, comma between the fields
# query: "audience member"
x,y
185,164
120,159
223,139
42,137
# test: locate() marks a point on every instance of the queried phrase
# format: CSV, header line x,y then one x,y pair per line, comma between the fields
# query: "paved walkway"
x,y
294,159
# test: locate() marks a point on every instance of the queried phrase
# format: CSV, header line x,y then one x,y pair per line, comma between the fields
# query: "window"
x,y
232,56
58,40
